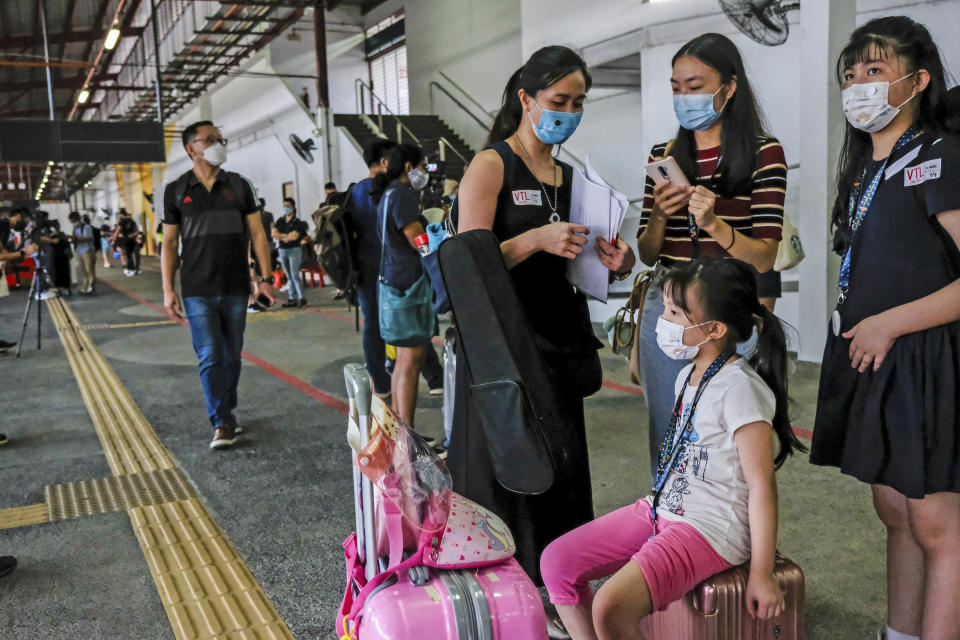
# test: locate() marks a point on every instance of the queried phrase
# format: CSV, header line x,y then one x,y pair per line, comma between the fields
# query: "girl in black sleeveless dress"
x,y
888,411
530,216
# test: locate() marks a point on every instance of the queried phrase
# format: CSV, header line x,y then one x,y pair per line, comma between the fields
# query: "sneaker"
x,y
3,438
137,272
6,345
303,302
437,391
127,272
256,307
7,565
46,295
290,303
339,295
224,436
107,265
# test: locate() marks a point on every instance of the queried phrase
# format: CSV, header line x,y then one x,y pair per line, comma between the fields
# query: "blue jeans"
x,y
216,326
374,348
290,260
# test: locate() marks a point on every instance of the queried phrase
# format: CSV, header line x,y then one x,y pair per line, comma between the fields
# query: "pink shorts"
x,y
673,562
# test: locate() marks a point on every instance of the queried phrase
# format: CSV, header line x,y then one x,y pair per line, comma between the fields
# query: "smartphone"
x,y
432,167
667,170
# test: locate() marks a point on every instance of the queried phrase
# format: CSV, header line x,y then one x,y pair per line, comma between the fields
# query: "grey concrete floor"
x,y
283,497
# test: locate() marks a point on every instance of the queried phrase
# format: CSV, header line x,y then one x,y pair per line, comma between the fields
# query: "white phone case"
x,y
667,170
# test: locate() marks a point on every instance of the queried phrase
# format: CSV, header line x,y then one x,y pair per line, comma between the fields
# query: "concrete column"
x,y
824,28
205,106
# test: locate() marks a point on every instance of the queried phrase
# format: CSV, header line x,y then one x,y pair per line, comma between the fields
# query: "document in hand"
x,y
601,208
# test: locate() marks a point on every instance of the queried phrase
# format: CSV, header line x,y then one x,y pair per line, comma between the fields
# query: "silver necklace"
x,y
554,216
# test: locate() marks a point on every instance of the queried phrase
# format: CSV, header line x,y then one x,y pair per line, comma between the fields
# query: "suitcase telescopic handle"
x,y
358,386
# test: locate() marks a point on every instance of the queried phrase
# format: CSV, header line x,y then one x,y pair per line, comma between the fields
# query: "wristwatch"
x,y
622,275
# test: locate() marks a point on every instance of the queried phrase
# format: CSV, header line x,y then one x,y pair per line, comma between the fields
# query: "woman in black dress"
x,y
888,411
542,105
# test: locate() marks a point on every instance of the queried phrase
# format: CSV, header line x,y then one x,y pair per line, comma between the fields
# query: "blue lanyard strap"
x,y
672,442
856,212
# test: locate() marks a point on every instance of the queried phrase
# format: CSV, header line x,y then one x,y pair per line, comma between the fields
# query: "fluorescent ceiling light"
x,y
112,36
82,98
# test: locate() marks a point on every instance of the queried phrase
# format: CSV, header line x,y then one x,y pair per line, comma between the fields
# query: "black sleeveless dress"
x,y
560,321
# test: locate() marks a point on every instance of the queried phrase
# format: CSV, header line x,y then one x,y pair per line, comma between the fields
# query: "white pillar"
x,y
824,28
205,107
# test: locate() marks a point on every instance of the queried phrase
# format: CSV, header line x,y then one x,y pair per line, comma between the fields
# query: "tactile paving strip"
x,y
116,493
206,589
23,516
126,325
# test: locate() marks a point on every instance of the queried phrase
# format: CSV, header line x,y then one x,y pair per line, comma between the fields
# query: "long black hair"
x,y
743,121
545,68
727,292
885,38
396,167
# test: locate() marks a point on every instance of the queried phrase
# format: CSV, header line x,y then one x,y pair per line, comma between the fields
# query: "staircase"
x,y
427,129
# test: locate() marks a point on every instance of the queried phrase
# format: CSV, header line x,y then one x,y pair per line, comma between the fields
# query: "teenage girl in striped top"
x,y
734,209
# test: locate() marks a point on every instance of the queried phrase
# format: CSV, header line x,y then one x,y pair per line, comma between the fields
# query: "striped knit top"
x,y
757,212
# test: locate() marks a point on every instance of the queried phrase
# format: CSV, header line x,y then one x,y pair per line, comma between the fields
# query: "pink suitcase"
x,y
716,610
497,602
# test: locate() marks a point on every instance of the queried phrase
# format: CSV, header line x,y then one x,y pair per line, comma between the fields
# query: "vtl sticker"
x,y
920,173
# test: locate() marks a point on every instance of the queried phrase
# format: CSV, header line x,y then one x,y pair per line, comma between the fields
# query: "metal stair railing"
x,y
359,87
433,109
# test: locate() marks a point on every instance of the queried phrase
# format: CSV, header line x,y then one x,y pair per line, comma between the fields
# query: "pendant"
x,y
835,322
554,217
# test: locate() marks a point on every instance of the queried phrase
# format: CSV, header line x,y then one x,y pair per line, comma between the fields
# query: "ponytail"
x,y
545,68
508,119
770,363
396,165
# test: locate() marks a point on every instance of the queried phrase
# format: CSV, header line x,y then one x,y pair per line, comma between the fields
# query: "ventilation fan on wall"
x,y
765,21
304,148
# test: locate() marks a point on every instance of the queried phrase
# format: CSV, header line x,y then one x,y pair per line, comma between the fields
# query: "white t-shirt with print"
x,y
706,487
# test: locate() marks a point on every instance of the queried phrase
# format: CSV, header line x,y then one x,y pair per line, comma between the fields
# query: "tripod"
x,y
34,291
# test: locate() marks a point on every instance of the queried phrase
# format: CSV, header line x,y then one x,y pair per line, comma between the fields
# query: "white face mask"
x,y
418,178
215,154
670,340
866,105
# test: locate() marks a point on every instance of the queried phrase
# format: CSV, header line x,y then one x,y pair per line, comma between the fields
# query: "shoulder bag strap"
x,y
383,236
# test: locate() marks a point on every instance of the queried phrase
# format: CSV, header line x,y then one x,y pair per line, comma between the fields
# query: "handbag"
x,y
790,251
626,326
406,317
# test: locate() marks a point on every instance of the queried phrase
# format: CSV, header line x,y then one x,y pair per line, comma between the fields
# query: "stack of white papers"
x,y
601,208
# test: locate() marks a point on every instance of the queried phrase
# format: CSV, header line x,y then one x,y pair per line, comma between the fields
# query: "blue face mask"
x,y
695,110
287,211
555,127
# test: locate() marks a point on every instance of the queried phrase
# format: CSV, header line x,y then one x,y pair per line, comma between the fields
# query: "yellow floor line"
x,y
126,325
23,516
206,589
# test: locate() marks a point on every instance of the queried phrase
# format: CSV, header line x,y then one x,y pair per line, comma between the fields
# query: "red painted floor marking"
x,y
277,372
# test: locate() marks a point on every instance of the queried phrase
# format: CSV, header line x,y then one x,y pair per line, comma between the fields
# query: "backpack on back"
x,y
335,242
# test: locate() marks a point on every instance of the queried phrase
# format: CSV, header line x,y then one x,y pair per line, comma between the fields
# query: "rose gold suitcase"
x,y
716,610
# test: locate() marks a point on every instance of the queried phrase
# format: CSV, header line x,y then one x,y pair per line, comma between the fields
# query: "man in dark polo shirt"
x,y
216,214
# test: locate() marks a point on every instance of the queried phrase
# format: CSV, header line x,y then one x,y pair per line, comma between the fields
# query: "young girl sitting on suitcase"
x,y
714,503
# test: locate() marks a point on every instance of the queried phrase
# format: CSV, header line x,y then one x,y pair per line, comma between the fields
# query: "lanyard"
x,y
670,448
692,225
857,212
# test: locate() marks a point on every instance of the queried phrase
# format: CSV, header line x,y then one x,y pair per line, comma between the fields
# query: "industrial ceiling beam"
x,y
69,82
32,113
63,37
